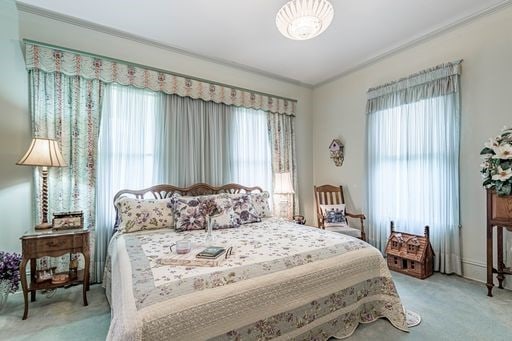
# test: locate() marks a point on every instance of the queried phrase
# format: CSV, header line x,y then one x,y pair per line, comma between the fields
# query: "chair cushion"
x,y
347,230
333,215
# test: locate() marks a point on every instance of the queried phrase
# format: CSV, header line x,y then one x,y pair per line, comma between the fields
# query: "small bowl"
x,y
183,246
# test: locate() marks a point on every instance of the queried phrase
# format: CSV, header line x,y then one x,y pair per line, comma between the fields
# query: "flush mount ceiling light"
x,y
304,19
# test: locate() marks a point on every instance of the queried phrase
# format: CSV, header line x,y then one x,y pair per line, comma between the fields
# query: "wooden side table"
x,y
499,215
36,244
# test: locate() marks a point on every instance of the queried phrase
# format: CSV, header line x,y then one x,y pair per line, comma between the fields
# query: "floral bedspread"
x,y
264,256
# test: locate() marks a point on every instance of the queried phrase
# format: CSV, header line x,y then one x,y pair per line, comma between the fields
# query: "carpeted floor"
x,y
451,308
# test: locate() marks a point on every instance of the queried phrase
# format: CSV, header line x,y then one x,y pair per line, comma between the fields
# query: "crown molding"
x,y
418,40
26,8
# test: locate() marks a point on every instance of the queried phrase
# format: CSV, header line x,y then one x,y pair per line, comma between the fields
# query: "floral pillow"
x,y
143,214
187,213
191,213
261,204
225,220
334,215
244,208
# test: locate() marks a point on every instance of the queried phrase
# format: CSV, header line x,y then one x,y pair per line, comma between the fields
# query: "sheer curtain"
x,y
250,158
413,161
128,146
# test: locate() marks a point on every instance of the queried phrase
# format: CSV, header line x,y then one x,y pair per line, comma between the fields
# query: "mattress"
x,y
282,281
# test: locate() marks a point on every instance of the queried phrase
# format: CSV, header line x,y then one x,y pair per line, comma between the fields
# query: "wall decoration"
x,y
336,149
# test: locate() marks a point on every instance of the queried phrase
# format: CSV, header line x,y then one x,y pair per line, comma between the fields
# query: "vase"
x,y
209,235
4,294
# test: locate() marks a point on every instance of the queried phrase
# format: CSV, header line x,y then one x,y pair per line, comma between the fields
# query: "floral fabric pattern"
x,y
191,213
244,208
227,219
261,204
109,71
143,214
334,215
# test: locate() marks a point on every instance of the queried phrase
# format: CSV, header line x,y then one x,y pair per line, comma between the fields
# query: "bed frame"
x,y
166,191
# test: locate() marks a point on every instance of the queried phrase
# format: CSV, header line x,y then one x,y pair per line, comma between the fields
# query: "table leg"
x,y
85,284
24,285
490,283
33,278
501,265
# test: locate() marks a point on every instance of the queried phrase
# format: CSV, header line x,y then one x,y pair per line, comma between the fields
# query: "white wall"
x,y
15,181
39,28
339,106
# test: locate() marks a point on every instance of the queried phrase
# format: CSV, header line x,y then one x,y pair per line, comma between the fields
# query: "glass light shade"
x,y
283,183
42,152
304,19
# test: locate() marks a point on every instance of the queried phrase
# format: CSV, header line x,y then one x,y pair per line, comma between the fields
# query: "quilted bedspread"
x,y
282,281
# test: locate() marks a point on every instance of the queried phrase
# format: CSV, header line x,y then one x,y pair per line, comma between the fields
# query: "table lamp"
x,y
283,186
43,153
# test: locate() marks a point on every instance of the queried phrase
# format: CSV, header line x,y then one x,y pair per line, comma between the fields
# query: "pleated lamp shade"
x,y
283,183
43,152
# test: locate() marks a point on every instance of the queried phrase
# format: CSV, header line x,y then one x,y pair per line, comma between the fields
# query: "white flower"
x,y
484,165
502,174
491,144
503,151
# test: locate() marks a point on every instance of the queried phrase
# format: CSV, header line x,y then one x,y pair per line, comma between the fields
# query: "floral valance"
x,y
72,63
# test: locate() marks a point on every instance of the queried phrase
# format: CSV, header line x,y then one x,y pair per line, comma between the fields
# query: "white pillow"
x,y
333,215
261,204
143,214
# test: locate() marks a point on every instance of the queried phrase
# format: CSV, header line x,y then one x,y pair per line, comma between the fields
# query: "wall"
x,y
43,29
15,181
339,106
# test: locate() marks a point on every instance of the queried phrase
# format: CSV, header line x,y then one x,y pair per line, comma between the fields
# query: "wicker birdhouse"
x,y
410,254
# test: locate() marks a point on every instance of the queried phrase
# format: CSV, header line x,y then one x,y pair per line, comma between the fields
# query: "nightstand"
x,y
36,244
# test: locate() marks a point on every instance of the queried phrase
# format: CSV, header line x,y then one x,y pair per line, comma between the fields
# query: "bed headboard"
x,y
166,191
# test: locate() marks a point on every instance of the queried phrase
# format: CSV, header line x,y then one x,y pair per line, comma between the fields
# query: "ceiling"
x,y
243,32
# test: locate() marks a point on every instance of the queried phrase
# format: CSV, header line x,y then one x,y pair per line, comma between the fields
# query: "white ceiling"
x,y
243,32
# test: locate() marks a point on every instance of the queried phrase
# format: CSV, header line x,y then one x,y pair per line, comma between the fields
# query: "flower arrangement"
x,y
496,167
9,271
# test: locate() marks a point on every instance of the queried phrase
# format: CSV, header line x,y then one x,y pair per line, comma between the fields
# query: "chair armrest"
x,y
361,217
351,215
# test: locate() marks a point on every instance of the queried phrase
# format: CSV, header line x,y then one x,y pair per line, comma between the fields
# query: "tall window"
x,y
413,161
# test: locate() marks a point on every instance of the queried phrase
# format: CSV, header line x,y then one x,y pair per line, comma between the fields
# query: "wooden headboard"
x,y
166,191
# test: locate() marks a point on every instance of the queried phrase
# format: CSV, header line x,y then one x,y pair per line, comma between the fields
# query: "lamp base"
x,y
43,226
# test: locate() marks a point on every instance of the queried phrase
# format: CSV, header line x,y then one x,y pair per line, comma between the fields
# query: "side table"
x,y
36,244
499,215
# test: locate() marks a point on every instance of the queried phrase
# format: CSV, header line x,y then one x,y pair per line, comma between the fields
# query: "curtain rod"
x,y
34,42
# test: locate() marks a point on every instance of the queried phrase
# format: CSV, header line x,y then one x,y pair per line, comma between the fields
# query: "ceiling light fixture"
x,y
304,19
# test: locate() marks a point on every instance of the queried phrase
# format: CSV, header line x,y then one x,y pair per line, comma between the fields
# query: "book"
x,y
211,252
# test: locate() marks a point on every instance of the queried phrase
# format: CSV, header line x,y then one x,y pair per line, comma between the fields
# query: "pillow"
x,y
244,208
334,215
187,213
191,213
143,214
225,220
261,204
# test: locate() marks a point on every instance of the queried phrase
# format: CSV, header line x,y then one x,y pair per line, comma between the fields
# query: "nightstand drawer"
x,y
59,243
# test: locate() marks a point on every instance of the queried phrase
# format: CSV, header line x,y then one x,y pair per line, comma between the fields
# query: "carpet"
x,y
451,308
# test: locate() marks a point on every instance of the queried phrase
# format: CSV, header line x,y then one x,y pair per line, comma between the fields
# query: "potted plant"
x,y
496,167
9,275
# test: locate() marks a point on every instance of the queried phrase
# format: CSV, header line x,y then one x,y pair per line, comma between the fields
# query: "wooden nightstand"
x,y
36,244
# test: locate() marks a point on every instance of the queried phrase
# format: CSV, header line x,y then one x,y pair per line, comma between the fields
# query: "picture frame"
x,y
68,220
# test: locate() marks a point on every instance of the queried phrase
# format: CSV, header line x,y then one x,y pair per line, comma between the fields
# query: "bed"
x,y
282,281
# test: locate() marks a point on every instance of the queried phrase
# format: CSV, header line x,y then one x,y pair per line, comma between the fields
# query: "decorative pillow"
x,y
261,204
334,215
244,208
191,213
143,214
188,213
225,220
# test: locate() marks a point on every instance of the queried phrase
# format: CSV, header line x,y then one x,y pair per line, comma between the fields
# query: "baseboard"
x,y
477,271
